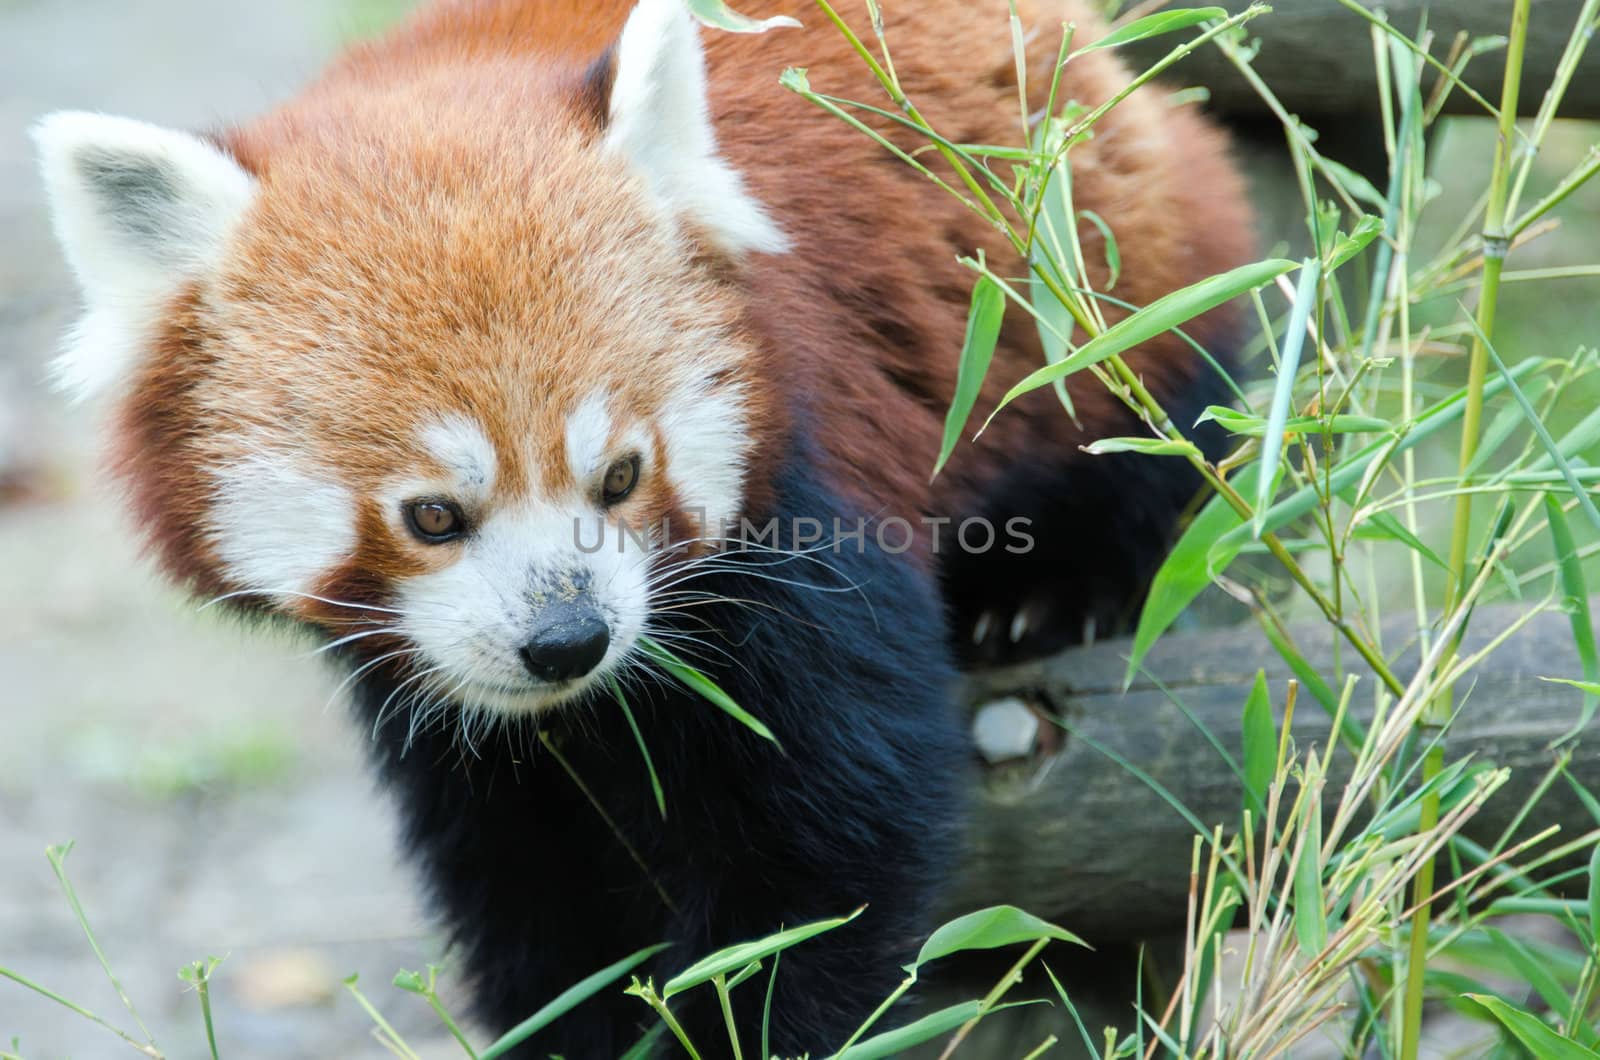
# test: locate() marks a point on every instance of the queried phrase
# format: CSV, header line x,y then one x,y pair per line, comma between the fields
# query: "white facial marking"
x,y
279,528
661,122
138,210
466,452
472,617
703,428
588,435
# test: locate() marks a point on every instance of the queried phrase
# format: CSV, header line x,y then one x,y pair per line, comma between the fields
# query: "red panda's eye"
x,y
435,521
620,479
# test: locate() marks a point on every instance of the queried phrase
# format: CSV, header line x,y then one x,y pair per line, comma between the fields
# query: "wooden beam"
x,y
1317,56
1076,838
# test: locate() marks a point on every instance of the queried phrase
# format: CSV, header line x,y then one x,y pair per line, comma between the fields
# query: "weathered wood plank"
x,y
1078,839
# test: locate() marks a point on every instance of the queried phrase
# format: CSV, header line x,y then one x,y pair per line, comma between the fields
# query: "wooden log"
x,y
1076,838
1317,56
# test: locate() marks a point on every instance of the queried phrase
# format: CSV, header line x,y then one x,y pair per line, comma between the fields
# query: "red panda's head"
x,y
429,364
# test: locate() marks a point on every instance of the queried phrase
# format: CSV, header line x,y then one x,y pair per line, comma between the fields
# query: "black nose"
x,y
570,646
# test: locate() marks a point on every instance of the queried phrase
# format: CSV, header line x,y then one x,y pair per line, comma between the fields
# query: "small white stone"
x,y
1005,729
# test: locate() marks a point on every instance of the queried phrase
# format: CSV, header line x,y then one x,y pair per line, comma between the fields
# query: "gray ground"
x,y
217,807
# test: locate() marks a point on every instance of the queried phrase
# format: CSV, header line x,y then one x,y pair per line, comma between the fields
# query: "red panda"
x,y
465,359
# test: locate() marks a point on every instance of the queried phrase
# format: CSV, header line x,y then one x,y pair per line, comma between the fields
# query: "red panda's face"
x,y
457,398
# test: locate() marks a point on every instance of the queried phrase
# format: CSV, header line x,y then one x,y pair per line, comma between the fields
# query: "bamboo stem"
x,y
1437,713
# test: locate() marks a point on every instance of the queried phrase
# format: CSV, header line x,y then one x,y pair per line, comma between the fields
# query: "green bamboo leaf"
x,y
1310,914
1048,256
1260,737
1508,419
1158,317
1346,247
650,766
1574,443
1454,784
1590,803
1594,895
1294,341
1381,526
1531,969
977,350
1234,421
736,958
1575,602
1113,255
1355,185
1149,446
897,1041
929,1027
718,15
708,689
1345,423
1349,471
1187,570
987,929
1155,25
568,1000
1352,732
1582,686
648,1044
1539,428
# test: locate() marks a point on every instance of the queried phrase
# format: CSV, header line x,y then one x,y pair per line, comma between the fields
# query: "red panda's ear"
x,y
139,211
659,120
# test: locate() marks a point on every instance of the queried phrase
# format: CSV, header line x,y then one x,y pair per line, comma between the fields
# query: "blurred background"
x,y
215,790
218,800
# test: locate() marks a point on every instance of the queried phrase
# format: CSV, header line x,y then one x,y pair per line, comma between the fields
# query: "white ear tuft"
x,y
661,122
138,210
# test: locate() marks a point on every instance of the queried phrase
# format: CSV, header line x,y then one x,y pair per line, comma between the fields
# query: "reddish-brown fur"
x,y
494,101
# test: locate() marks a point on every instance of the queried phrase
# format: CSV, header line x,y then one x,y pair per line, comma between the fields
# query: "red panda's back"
x,y
864,316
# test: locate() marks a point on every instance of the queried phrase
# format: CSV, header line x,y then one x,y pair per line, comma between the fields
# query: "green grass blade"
x,y
708,689
57,856
1089,1046
984,317
650,766
567,1000
1158,317
1294,340
766,1007
382,1029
